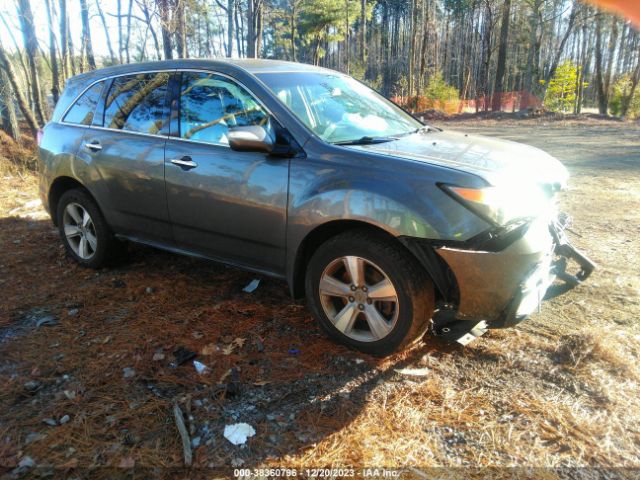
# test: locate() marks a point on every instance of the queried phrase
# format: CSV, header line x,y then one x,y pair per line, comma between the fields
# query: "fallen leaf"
x,y
209,349
228,349
240,342
261,383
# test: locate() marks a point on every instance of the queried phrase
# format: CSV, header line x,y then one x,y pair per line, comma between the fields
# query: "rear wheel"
x,y
368,293
84,231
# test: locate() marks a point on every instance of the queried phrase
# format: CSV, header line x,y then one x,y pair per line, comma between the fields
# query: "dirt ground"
x,y
89,376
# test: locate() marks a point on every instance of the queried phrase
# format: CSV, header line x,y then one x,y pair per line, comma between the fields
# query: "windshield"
x,y
338,108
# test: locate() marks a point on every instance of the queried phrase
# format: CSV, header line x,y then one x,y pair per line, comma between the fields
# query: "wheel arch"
x,y
436,269
58,187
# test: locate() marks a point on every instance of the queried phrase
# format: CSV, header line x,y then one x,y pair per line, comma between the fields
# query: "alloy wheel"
x,y
359,298
80,231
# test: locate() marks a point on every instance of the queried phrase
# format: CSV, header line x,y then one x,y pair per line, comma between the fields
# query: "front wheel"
x,y
369,293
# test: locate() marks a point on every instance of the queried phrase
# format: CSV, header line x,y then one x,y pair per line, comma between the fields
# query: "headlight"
x,y
502,205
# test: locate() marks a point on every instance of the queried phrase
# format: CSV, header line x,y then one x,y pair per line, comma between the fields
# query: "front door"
x,y
222,203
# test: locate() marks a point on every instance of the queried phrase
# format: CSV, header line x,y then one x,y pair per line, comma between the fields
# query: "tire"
x,y
101,248
404,320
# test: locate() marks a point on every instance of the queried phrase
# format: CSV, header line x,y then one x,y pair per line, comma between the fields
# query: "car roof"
x,y
249,65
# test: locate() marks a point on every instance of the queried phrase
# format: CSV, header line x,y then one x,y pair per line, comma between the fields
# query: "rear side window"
x,y
210,104
81,112
135,103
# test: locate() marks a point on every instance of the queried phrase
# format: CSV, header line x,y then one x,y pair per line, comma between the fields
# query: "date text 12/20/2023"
x,y
317,472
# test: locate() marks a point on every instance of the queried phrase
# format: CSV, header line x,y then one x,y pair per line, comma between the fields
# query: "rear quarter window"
x,y
82,111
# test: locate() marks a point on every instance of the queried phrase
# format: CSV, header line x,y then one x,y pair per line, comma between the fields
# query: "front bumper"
x,y
505,287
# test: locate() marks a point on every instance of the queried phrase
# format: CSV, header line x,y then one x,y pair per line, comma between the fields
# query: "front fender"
x,y
398,196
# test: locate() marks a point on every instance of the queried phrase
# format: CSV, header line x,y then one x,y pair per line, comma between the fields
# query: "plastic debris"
x,y
253,284
294,351
238,433
128,372
201,368
414,372
27,462
358,361
65,419
48,320
183,355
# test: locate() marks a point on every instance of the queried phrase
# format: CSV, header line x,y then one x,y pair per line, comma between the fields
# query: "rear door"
x,y
222,203
126,146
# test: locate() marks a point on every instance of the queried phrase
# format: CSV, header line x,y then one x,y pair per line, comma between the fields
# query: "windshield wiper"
x,y
366,140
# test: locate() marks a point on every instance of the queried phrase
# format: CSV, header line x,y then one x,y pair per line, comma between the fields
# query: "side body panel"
x,y
231,206
398,196
127,179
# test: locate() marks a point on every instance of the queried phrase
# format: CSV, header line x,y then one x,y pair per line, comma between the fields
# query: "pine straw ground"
x,y
561,390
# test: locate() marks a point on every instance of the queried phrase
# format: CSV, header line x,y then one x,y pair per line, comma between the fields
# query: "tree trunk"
x,y
496,103
27,113
231,7
64,42
9,118
181,30
556,59
53,54
106,32
165,25
128,38
251,29
147,16
626,103
292,21
603,101
363,31
33,57
119,13
86,34
613,38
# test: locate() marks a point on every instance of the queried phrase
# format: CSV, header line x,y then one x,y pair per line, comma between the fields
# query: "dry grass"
x,y
560,391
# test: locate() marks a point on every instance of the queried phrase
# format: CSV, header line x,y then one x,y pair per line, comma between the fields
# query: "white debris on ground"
x,y
414,372
31,209
238,433
253,284
201,368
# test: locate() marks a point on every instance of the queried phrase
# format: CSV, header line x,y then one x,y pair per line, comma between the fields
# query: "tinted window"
x,y
81,113
210,104
136,103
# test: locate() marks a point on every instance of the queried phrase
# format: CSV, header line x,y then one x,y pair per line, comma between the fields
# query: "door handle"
x,y
93,146
185,162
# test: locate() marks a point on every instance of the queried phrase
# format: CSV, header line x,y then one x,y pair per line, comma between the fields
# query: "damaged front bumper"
x,y
498,289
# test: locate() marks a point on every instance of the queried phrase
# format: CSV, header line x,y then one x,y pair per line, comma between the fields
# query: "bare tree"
x,y
53,54
8,117
165,25
27,113
33,56
502,57
86,35
103,20
603,100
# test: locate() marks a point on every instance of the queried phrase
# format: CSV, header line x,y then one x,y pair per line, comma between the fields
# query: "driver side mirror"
x,y
252,138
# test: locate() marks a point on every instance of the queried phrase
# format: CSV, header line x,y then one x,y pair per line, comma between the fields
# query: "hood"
x,y
497,161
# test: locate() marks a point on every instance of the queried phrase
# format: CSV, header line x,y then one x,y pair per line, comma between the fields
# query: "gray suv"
x,y
387,226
